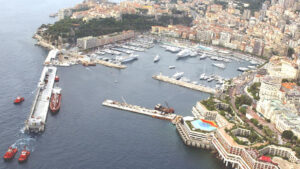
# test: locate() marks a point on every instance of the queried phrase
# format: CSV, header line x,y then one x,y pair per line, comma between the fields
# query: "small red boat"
x,y
19,100
10,154
24,155
55,100
56,79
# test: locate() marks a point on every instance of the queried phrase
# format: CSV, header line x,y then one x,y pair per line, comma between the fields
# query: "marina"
x,y
184,84
38,113
141,110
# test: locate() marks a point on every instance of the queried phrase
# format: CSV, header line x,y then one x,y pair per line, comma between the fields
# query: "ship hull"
x,y
55,103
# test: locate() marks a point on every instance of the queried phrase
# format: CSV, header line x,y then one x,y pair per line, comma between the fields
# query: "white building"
x,y
269,88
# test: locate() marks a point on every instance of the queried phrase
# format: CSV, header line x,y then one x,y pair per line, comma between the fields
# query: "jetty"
x,y
39,109
51,56
184,84
109,64
141,110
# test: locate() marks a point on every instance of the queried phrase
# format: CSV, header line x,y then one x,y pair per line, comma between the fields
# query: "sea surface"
x,y
84,134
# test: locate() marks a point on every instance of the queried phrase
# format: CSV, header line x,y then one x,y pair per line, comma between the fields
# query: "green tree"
x,y
243,110
244,99
254,121
287,134
254,90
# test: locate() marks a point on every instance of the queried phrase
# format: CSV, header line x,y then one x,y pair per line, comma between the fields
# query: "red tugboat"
x,y
159,107
19,100
55,100
24,155
56,79
10,154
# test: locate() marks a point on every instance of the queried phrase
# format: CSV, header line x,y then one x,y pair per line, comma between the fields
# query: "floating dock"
x,y
39,109
184,84
141,110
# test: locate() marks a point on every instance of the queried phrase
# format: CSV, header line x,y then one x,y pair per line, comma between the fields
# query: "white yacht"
x,y
202,76
178,75
193,53
243,69
172,67
125,59
156,58
219,65
184,53
203,56
210,79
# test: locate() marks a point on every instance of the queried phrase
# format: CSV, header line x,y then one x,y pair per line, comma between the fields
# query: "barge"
x,y
39,109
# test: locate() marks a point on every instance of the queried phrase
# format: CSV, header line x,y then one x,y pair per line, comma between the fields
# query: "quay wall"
x,y
185,84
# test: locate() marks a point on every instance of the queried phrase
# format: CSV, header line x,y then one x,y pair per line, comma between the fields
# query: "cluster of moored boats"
x,y
216,55
124,52
209,78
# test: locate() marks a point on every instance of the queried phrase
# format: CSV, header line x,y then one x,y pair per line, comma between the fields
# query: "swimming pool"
x,y
198,124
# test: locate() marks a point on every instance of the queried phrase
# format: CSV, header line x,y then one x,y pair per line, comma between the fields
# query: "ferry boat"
x,y
24,155
10,153
156,58
19,100
219,65
172,67
178,75
55,100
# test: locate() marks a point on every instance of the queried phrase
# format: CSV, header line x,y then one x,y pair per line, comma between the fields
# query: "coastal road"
x,y
240,83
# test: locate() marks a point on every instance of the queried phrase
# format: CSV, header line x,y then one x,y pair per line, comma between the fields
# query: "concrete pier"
x,y
39,109
140,110
109,64
184,84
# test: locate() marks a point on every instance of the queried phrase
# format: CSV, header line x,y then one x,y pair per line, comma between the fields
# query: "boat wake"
x,y
28,142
